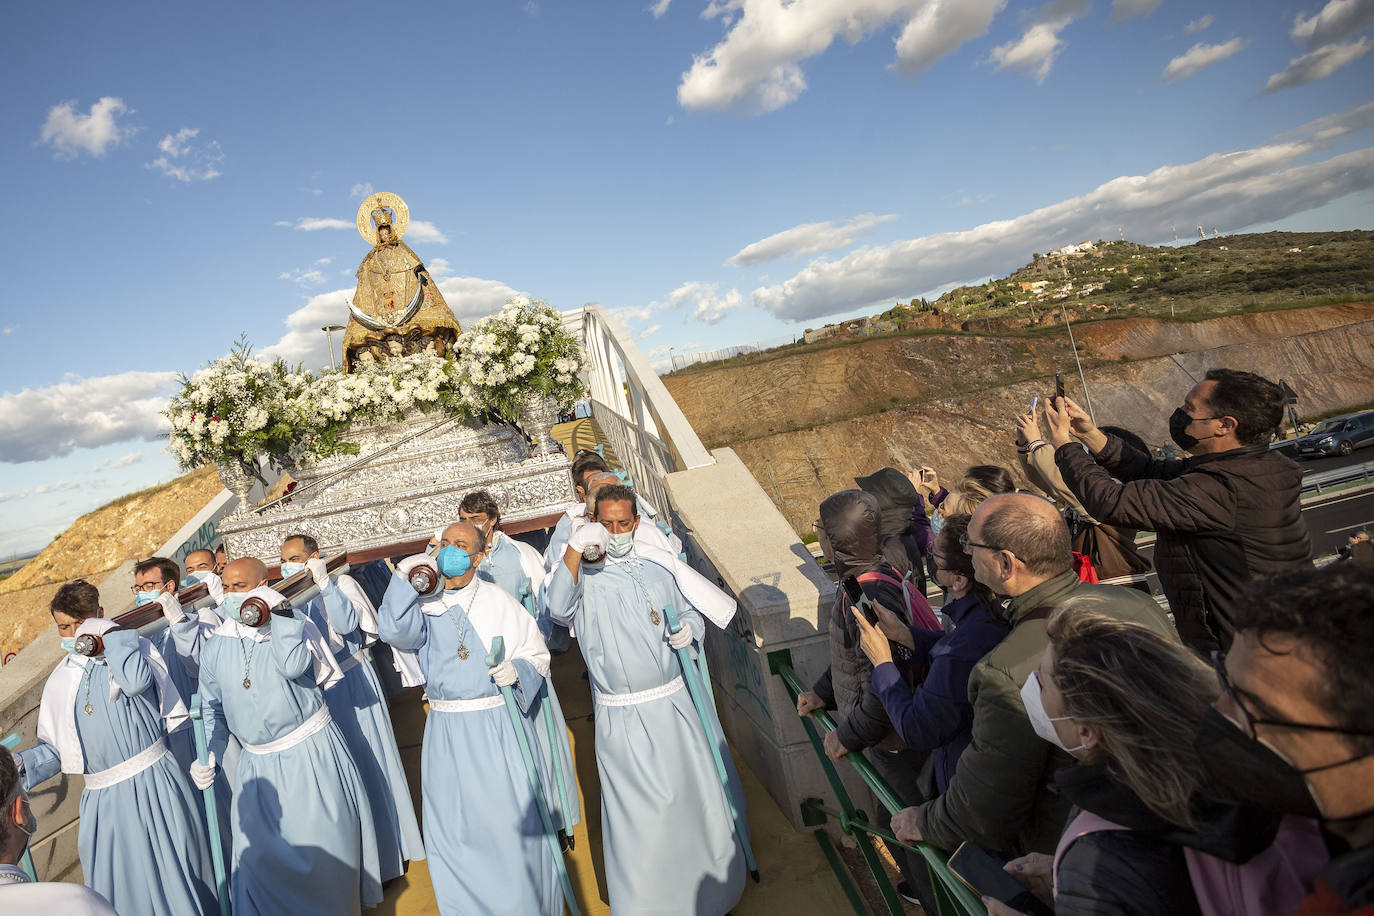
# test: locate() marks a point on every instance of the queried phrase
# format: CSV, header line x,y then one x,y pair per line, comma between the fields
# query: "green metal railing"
x,y
952,896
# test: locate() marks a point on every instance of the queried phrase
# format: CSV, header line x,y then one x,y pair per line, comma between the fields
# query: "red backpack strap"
x,y
918,609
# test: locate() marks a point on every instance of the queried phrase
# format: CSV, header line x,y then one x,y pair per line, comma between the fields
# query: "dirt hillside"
x,y
131,527
805,425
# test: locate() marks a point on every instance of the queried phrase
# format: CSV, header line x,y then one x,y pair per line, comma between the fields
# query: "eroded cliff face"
x,y
805,425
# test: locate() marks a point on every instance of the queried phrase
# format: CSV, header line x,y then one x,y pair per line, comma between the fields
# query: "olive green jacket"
x,y
999,798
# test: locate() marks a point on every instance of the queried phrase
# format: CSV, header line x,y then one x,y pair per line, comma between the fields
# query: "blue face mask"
x,y
937,521
289,569
232,602
193,577
143,598
69,645
621,544
453,562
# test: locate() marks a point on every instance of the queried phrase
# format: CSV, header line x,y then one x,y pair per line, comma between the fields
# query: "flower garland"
x,y
522,350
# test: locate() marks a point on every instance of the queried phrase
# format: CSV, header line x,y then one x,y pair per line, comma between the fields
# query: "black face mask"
x,y
1179,421
1253,774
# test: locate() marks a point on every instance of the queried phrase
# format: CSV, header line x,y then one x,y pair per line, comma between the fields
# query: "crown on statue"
x,y
382,216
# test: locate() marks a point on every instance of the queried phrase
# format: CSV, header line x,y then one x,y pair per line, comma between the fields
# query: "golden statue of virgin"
x,y
397,308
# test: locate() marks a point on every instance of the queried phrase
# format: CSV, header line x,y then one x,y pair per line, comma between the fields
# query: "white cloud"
x,y
1235,189
9,329
310,277
474,297
1198,56
650,331
710,305
304,342
424,231
361,190
324,261
316,223
659,8
60,486
185,161
72,133
1338,20
635,313
1125,9
808,238
756,67
1197,25
313,192
1318,64
39,423
1036,49
123,461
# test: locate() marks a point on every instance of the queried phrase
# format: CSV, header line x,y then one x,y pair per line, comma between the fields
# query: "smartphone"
x,y
1059,384
983,874
1035,402
858,599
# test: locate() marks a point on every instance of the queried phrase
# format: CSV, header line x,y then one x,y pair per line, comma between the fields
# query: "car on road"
x,y
1338,436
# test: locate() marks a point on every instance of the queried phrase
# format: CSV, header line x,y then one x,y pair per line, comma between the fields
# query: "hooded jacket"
x,y
1223,519
898,539
849,520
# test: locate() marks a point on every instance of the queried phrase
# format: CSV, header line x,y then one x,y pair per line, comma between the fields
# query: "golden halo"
x,y
382,199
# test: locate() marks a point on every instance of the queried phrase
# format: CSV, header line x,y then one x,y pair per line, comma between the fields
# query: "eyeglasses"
x,y
817,527
1250,720
965,543
146,587
939,559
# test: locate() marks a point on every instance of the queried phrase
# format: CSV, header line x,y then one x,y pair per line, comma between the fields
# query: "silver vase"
x,y
539,415
237,478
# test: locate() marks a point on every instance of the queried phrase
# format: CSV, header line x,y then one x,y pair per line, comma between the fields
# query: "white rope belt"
x,y
642,696
310,726
352,661
476,705
129,768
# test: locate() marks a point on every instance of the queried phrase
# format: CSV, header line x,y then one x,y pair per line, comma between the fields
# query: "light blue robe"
x,y
304,840
502,567
359,707
142,841
668,837
487,850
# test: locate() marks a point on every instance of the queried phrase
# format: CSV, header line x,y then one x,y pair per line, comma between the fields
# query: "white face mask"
x,y
1041,721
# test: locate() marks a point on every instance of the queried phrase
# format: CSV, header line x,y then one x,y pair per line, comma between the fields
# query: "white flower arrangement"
x,y
522,350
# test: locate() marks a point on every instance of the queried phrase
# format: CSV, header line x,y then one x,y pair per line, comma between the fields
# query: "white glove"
x,y
318,570
203,774
592,534
215,587
171,607
682,639
503,674
420,559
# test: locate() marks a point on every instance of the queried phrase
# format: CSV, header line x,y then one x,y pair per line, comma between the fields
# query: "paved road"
x,y
1313,465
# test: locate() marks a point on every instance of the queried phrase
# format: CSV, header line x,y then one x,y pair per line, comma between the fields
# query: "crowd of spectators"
x,y
1208,752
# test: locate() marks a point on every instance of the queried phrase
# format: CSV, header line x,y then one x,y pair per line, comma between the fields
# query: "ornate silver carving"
x,y
407,493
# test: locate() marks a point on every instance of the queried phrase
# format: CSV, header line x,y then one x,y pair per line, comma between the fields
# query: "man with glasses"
x,y
1228,513
1294,725
1000,797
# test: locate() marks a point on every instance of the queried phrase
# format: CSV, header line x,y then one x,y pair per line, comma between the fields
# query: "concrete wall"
x,y
737,538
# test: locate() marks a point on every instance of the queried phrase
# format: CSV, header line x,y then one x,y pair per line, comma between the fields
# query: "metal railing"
x,y
1337,477
952,896
636,413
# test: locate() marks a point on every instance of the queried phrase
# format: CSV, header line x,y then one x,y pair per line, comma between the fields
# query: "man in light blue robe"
x,y
510,564
483,834
142,841
304,839
359,708
668,835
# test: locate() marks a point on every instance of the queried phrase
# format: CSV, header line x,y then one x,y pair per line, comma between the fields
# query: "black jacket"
x,y
1222,520
1142,871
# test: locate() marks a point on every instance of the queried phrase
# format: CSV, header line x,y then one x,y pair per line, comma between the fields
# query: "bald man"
x,y
1000,797
483,835
304,840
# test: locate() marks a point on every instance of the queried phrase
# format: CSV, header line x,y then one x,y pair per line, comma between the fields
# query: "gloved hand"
x,y
203,774
420,559
592,534
171,607
318,571
682,639
503,674
214,585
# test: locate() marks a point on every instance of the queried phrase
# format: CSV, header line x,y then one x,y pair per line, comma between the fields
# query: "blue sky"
x,y
719,173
